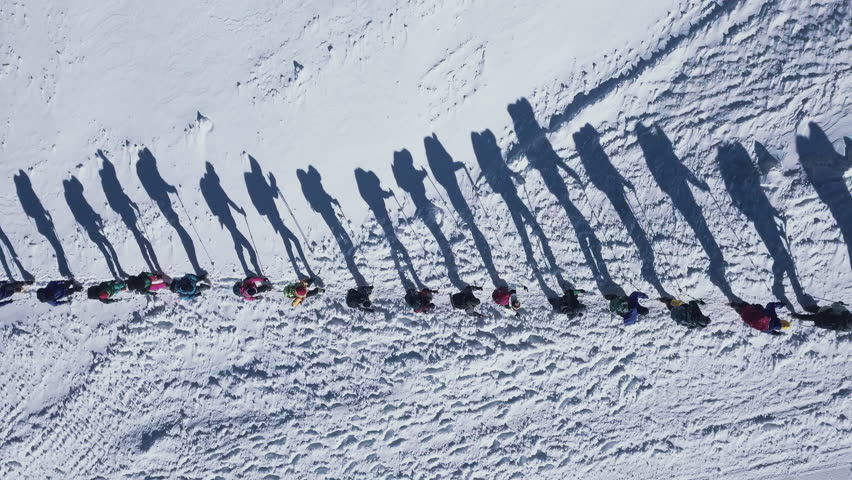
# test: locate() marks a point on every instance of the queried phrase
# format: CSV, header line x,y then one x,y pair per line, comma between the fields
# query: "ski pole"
x,y
298,226
446,203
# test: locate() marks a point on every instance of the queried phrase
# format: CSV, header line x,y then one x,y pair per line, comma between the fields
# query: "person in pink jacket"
x,y
252,287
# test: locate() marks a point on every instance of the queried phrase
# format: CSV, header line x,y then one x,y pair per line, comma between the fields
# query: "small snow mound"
x,y
204,124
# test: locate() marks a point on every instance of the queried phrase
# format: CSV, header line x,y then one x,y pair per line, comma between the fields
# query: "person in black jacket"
x,y
689,314
833,317
7,289
569,303
53,293
359,298
466,300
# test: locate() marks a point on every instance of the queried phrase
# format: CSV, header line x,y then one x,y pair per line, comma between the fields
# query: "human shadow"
x,y
444,169
9,274
499,177
742,181
44,222
410,179
92,223
159,190
824,168
372,192
323,203
220,205
127,209
606,178
543,158
263,195
674,178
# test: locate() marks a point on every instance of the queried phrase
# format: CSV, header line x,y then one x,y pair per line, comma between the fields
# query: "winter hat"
x,y
41,295
785,325
676,303
136,283
251,290
236,289
516,304
93,292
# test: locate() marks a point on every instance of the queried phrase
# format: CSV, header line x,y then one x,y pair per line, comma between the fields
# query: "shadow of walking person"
x,y
127,209
411,179
220,205
27,276
499,176
543,158
323,203
159,190
444,169
263,197
673,178
44,222
743,183
824,168
92,223
606,178
371,191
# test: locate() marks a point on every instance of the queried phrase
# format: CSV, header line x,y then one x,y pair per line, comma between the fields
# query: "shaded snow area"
x,y
694,148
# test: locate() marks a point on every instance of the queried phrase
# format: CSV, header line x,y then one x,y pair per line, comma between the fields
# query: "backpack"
x,y
290,291
619,305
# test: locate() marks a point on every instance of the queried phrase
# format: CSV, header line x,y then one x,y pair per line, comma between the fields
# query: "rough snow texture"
x,y
751,97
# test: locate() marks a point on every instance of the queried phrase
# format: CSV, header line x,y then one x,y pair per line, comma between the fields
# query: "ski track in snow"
x,y
158,388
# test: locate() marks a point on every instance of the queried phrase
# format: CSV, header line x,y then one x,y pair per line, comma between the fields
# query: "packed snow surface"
x,y
692,147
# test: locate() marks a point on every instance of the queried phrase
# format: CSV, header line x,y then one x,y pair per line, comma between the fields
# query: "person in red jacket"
x,y
505,297
761,318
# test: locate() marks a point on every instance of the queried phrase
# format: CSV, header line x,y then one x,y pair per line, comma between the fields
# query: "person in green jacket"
x,y
832,317
104,291
689,314
569,303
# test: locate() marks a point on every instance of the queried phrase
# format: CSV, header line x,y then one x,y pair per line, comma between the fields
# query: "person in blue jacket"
x,y
55,290
190,285
627,307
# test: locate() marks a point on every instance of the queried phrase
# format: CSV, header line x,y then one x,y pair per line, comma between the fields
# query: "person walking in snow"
x,y
190,285
505,297
252,287
832,317
104,291
569,303
147,283
420,300
627,307
7,289
55,290
761,318
299,291
689,314
466,300
360,298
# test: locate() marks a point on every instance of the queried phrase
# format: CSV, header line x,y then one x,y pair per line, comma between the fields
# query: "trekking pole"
x,y
203,245
251,236
410,227
540,231
298,226
446,203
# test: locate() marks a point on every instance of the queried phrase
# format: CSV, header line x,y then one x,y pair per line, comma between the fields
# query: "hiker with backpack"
x,y
569,303
627,306
689,314
105,291
7,289
299,291
466,300
252,287
359,298
147,283
761,318
832,317
505,297
55,290
420,300
190,285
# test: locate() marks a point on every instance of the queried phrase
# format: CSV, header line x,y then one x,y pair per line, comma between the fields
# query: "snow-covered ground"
x,y
653,144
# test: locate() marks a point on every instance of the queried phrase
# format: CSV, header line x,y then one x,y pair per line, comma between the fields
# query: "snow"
x,y
240,92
